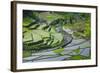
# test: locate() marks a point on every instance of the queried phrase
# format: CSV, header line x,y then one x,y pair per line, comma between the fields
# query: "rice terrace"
x,y
56,36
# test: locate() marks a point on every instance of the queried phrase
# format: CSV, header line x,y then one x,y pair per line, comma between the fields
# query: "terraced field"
x,y
55,36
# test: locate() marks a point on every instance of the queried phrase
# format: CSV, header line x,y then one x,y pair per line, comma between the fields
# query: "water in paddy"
x,y
77,49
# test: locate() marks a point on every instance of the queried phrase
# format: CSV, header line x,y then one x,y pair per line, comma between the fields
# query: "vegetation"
x,y
26,53
44,30
59,51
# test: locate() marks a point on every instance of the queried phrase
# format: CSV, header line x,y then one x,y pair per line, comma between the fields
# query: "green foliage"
x,y
87,31
43,32
77,51
78,57
83,32
26,53
59,51
38,38
25,30
79,35
79,23
27,21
